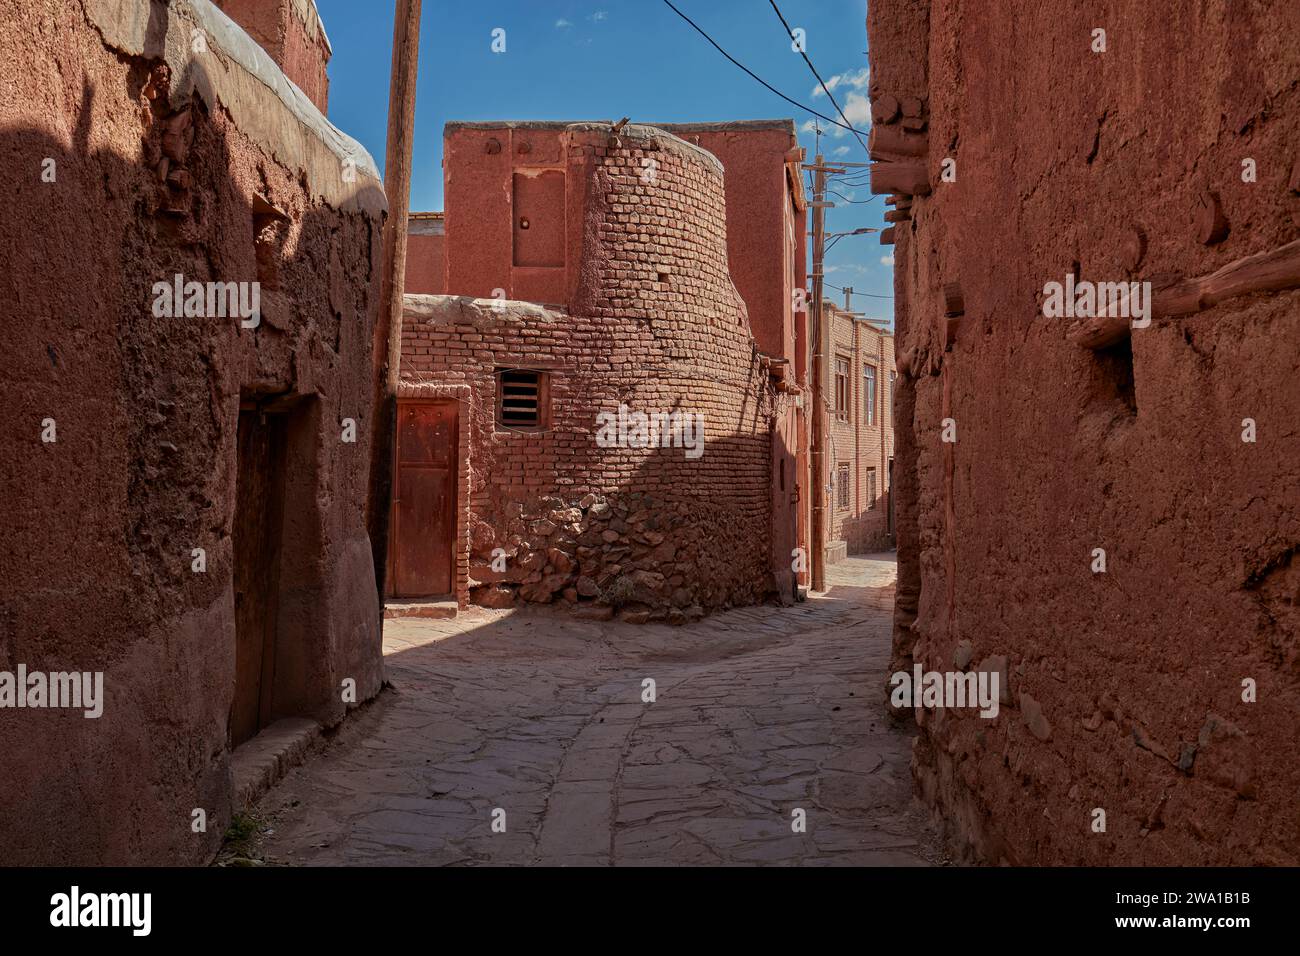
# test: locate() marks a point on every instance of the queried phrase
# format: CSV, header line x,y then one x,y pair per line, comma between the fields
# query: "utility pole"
x,y
820,346
848,298
397,186
820,336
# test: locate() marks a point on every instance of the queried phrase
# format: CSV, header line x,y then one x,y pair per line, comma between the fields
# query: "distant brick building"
x,y
618,244
860,451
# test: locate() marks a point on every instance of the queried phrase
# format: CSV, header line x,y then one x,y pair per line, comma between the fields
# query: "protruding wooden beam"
x,y
910,179
1211,223
887,236
1276,270
893,142
898,215
903,361
1134,248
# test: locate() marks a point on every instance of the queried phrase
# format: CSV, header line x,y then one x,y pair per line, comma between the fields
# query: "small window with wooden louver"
x,y
521,399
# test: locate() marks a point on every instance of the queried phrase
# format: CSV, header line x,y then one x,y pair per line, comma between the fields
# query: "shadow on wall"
x,y
671,537
125,425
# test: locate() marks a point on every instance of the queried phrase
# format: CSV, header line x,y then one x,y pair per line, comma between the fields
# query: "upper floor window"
x,y
842,389
869,393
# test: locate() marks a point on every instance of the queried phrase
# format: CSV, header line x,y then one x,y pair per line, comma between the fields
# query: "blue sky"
x,y
606,59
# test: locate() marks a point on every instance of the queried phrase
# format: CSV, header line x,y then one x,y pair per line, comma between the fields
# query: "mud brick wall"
x,y
656,324
1126,687
292,33
207,164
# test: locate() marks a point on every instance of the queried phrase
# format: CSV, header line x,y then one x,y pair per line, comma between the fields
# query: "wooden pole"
x,y
820,341
397,186
397,173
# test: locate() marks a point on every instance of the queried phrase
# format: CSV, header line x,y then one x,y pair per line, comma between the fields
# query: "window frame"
x,y
869,400
543,420
843,396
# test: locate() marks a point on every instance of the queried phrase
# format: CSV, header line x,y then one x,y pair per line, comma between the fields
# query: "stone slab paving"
x,y
758,712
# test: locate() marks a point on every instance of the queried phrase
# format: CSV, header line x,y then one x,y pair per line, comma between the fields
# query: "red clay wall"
x,y
495,176
292,33
1126,687
655,323
426,263
762,244
159,161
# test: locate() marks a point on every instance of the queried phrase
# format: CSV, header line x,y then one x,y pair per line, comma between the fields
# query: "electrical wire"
x,y
869,295
858,202
769,86
846,124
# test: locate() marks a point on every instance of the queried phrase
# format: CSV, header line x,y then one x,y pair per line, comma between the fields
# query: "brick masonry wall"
x,y
1125,687
862,525
656,325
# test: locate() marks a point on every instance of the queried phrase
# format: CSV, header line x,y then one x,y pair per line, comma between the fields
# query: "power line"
x,y
769,86
858,202
799,46
869,295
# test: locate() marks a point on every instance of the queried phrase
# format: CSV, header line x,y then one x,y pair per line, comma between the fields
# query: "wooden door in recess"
x,y
424,499
259,518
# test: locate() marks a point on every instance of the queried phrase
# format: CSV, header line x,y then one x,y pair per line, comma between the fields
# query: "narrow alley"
x,y
759,712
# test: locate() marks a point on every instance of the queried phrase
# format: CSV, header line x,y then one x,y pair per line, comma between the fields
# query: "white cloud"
x,y
851,79
840,151
598,16
562,24
887,260
856,105
857,110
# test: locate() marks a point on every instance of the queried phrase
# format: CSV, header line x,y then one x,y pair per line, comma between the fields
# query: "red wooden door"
x,y
424,499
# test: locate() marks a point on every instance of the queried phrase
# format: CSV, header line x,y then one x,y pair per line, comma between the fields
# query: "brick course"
x,y
654,323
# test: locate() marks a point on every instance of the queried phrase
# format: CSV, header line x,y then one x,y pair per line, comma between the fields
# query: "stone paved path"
x,y
758,712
